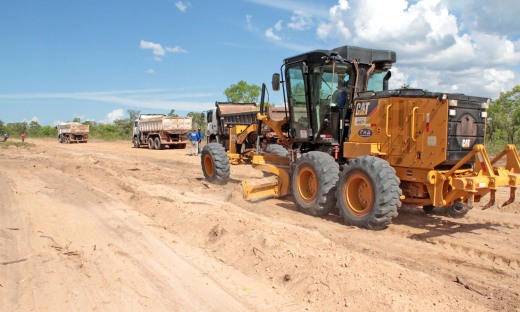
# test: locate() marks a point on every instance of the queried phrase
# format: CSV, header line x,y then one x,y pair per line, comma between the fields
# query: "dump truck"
x,y
235,127
72,132
361,149
158,131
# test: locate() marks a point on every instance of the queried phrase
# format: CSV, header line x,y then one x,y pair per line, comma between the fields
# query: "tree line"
x,y
503,121
122,129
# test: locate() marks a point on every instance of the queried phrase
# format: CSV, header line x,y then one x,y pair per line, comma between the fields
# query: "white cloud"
x,y
115,115
492,17
147,98
175,49
249,21
308,7
335,26
183,6
158,50
270,32
300,21
150,71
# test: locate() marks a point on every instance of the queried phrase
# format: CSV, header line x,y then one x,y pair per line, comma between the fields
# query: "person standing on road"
x,y
193,136
23,137
5,136
201,136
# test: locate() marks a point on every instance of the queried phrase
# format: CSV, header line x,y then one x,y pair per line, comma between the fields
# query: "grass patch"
x,y
6,144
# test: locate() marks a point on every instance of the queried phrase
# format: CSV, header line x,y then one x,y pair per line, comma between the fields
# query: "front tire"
x,y
215,163
368,193
136,142
313,183
277,149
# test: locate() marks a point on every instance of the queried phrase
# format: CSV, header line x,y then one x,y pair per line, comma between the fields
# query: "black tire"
x,y
368,193
457,211
277,149
215,163
60,139
136,142
150,143
313,183
428,209
157,143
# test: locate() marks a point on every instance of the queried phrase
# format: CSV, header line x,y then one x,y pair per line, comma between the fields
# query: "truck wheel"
x,y
215,163
277,149
150,143
313,183
368,193
136,142
60,139
157,143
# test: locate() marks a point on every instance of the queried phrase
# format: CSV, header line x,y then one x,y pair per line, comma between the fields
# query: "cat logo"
x,y
362,108
466,143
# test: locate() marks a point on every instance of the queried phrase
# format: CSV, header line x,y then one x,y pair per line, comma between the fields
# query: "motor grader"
x,y
360,148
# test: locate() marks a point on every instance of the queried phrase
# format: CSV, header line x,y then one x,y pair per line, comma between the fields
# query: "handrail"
x,y
387,120
412,135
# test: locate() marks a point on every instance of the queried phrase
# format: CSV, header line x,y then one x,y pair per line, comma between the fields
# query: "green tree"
x,y
198,120
34,129
76,119
242,92
133,114
505,114
48,131
172,113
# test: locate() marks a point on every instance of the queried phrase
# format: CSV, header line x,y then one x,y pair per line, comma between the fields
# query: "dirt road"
x,y
104,226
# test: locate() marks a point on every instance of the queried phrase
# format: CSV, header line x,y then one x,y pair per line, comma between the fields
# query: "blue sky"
x,y
61,59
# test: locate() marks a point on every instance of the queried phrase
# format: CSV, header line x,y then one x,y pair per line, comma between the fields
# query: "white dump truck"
x,y
158,131
72,132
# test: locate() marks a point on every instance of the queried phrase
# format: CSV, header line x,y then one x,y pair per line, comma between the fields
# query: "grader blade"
x,y
258,189
276,185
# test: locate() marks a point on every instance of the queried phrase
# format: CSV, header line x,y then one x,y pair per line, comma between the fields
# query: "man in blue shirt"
x,y
201,136
193,136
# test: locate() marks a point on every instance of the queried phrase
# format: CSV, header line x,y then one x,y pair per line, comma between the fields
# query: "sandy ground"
x,y
105,227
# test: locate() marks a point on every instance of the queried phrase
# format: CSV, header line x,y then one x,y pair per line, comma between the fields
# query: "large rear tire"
x,y
150,143
215,163
368,193
157,143
313,183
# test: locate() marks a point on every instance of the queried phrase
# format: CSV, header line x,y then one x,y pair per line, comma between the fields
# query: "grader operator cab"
x,y
394,146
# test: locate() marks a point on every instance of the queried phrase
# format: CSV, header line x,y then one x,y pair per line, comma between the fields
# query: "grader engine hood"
x,y
415,128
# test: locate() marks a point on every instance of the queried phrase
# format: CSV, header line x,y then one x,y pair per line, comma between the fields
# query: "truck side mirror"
x,y
276,82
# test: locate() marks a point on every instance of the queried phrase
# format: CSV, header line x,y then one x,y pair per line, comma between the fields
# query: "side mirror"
x,y
276,82
203,116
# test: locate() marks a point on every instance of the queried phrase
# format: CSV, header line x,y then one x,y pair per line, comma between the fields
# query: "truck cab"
x,y
320,89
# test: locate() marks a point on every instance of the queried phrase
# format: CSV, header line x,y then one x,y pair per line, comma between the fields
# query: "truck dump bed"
x,y
165,123
237,113
74,128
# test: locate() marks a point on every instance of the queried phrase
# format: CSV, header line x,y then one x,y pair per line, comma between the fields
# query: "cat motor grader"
x,y
235,127
359,147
